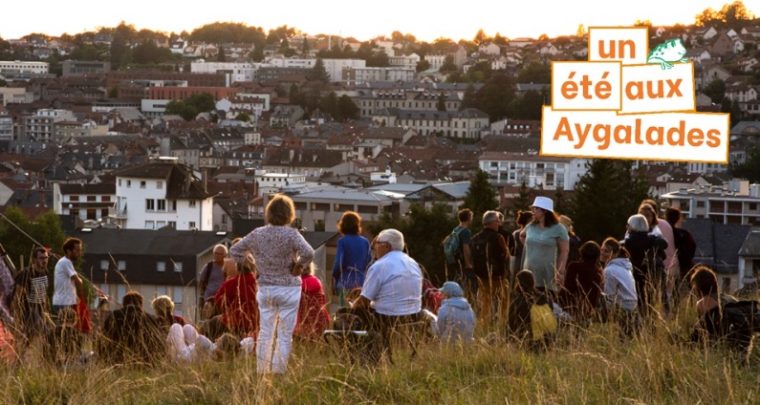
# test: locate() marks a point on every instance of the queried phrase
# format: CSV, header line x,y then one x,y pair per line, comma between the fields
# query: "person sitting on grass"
x,y
620,287
313,317
64,343
163,307
531,319
236,299
456,320
185,344
131,335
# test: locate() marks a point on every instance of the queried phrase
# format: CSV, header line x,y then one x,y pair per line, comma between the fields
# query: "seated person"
x,y
456,320
236,299
530,316
392,288
621,300
583,284
186,344
131,335
163,307
313,317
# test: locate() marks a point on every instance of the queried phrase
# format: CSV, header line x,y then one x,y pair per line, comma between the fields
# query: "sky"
x,y
425,19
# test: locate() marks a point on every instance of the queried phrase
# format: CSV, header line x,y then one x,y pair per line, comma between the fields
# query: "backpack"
x,y
542,322
739,321
451,245
485,262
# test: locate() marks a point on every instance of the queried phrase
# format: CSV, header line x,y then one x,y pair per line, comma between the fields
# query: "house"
x,y
162,193
718,204
321,210
153,263
718,246
489,48
749,259
698,55
85,201
550,173
722,46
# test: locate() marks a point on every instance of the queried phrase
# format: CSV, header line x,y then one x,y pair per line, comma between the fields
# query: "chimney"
x,y
204,176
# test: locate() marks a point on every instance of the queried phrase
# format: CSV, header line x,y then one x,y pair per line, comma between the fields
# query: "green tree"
x,y
534,73
46,229
605,197
423,229
448,65
423,65
480,37
148,53
480,197
220,56
441,104
495,97
347,109
750,169
522,201
179,107
716,90
243,116
121,54
318,72
528,106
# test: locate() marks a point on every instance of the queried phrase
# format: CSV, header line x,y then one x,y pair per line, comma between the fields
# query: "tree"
x,y
480,37
423,65
441,105
318,72
243,116
148,53
46,229
179,107
528,107
731,15
347,109
750,169
522,201
448,65
581,31
495,97
716,90
121,54
221,57
605,197
534,73
190,107
480,197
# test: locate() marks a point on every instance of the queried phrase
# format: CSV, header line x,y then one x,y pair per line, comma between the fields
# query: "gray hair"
x,y
638,223
491,216
223,247
393,237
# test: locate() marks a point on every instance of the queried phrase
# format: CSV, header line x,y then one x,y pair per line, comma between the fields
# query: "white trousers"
x,y
184,343
278,308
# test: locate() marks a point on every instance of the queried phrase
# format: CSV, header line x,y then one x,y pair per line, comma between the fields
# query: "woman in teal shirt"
x,y
546,246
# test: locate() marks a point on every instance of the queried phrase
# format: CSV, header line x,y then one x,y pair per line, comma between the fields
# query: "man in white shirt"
x,y
66,279
393,286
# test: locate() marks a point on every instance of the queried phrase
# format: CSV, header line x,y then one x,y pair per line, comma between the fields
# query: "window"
x,y
121,291
150,204
177,295
104,265
172,224
174,205
119,182
104,212
224,219
142,184
700,204
161,205
178,267
92,198
105,198
129,183
122,265
74,198
159,184
160,290
191,203
191,225
160,266
753,206
150,225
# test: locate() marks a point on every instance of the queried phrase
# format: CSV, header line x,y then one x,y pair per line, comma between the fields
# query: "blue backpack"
x,y
451,245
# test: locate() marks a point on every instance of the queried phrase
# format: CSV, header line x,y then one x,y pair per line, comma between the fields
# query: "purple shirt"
x,y
275,249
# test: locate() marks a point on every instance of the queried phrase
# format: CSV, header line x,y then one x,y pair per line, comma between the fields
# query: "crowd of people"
x,y
261,293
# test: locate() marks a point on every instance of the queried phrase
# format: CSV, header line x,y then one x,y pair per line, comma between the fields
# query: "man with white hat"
x,y
546,245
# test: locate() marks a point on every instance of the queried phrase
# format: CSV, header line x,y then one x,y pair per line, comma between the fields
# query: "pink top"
x,y
667,233
275,249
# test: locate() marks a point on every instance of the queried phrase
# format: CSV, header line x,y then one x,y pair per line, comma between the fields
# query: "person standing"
x,y
281,253
211,278
66,281
490,257
647,252
459,257
683,260
30,305
352,256
546,246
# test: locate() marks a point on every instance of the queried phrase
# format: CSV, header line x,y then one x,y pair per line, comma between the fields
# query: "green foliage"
x,y
423,231
494,98
448,65
521,202
226,32
347,109
441,104
190,107
243,116
148,53
716,90
318,73
528,106
46,229
91,52
750,169
480,197
423,65
732,15
534,73
605,197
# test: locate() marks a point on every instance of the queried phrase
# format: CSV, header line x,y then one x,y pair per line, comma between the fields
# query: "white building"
x,y
435,61
270,183
162,193
237,71
409,61
23,67
84,201
550,173
718,204
354,76
335,67
153,108
6,127
321,210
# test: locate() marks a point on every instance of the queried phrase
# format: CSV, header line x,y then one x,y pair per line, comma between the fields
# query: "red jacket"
x,y
313,317
236,298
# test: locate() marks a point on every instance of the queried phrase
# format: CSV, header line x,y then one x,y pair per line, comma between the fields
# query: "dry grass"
x,y
584,367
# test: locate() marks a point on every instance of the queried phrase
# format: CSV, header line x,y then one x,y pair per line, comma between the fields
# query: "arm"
x,y
338,263
239,250
203,282
564,249
467,253
305,252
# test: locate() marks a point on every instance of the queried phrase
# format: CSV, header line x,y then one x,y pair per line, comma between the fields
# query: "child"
x,y
185,344
456,321
313,317
530,316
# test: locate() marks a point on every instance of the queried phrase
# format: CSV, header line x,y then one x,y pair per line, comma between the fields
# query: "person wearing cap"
x,y
392,287
546,246
456,320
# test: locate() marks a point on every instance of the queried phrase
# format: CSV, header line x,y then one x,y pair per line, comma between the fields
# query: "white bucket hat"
x,y
544,203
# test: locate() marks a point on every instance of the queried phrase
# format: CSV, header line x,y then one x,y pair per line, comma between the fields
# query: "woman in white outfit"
x,y
280,251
